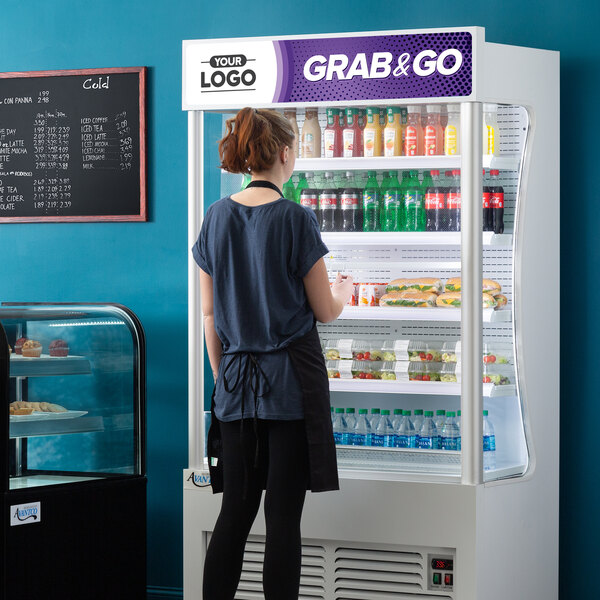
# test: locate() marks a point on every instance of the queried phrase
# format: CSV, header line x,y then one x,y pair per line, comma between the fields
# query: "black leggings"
x,y
283,470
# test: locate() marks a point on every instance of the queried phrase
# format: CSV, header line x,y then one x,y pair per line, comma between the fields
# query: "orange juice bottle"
x,y
433,134
372,133
413,142
392,134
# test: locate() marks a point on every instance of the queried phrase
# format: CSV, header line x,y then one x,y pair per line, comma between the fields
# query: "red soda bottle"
x,y
453,202
497,192
350,205
488,224
328,204
435,204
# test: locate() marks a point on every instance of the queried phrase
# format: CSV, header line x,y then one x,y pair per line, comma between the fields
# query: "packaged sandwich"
x,y
408,298
420,284
454,299
501,300
489,286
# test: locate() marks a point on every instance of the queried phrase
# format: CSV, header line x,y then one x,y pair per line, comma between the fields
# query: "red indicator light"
x,y
447,579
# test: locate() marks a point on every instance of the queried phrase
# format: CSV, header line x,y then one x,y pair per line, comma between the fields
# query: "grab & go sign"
x,y
327,69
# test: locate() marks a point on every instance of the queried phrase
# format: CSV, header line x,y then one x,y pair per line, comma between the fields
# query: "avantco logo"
x,y
25,513
200,480
228,72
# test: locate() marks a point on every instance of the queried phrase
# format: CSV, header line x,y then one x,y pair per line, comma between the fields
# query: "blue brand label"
x,y
489,443
429,443
358,439
450,443
389,441
406,441
340,438
377,440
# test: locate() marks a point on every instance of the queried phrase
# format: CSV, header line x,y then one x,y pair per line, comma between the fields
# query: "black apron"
x,y
309,366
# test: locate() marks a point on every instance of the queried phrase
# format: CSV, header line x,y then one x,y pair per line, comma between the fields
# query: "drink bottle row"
x,y
403,430
349,202
430,130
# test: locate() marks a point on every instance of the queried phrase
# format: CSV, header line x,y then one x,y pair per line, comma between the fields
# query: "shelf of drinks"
x,y
423,238
384,163
382,313
429,388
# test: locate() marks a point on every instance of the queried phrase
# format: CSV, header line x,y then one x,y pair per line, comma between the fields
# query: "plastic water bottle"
x,y
440,417
340,431
332,415
429,438
418,423
397,418
384,436
374,420
489,444
450,433
405,435
458,421
362,436
350,420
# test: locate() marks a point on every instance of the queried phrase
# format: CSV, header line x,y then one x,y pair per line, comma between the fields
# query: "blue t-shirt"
x,y
257,257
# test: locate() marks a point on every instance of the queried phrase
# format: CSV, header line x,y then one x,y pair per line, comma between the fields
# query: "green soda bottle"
x,y
371,200
414,204
245,181
427,182
392,204
302,184
289,192
385,184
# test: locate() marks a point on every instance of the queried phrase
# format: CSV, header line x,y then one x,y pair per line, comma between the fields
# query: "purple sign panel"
x,y
422,65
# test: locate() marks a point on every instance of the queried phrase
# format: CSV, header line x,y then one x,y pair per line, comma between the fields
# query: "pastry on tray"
x,y
39,406
59,348
19,345
31,349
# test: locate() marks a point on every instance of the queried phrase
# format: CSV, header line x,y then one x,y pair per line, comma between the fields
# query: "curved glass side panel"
x,y
75,393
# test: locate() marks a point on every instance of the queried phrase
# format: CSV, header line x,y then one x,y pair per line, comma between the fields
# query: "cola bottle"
x,y
453,202
350,201
488,224
435,204
328,204
497,201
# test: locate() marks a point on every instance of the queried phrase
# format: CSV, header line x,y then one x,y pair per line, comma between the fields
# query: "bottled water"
x,y
418,420
428,438
332,415
450,433
397,418
374,420
458,421
340,431
384,434
405,434
439,420
489,444
361,435
350,420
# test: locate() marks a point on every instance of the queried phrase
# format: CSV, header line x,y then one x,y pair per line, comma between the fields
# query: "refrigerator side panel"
x,y
528,510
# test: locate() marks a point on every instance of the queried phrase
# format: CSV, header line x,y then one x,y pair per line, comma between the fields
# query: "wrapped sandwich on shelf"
x,y
408,298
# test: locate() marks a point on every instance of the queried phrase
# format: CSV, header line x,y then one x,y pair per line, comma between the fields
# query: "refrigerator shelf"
x,y
430,388
57,426
380,313
506,162
425,238
45,366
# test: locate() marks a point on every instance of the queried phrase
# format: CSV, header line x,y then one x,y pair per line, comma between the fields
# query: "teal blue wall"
x,y
144,265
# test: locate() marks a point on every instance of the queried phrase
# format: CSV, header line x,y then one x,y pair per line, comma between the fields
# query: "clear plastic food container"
x,y
365,350
425,351
354,369
449,373
423,371
336,349
498,374
493,352
450,352
388,371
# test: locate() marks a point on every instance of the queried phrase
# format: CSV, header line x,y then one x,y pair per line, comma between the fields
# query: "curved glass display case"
x,y
73,392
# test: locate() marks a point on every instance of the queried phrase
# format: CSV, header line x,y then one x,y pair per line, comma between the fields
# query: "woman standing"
x,y
263,285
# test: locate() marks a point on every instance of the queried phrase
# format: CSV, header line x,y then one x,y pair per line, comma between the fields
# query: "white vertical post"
x,y
471,316
195,324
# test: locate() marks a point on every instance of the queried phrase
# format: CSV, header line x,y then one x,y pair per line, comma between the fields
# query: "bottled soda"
x,y
488,223
289,191
302,184
332,136
350,421
429,438
350,206
309,198
489,444
374,419
362,435
453,202
435,205
371,201
450,433
433,133
497,200
392,205
427,182
405,434
414,204
383,435
340,431
328,204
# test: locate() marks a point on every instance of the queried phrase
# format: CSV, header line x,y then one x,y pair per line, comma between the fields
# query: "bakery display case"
x,y
72,461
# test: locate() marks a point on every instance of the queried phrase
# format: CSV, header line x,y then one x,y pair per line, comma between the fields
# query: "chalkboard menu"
x,y
73,145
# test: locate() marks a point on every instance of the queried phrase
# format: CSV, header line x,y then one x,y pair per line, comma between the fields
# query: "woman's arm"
x,y
213,343
327,302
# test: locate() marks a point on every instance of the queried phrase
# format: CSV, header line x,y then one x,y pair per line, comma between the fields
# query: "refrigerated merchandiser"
x,y
477,232
72,464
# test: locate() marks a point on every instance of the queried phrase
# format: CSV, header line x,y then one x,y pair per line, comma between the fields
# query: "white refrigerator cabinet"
x,y
414,524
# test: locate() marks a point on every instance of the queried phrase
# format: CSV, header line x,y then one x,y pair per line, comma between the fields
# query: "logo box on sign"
x,y
24,514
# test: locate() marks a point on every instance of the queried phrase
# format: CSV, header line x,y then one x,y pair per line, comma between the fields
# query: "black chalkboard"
x,y
73,145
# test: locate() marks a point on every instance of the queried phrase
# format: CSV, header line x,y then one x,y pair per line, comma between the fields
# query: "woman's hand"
x,y
342,288
326,301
